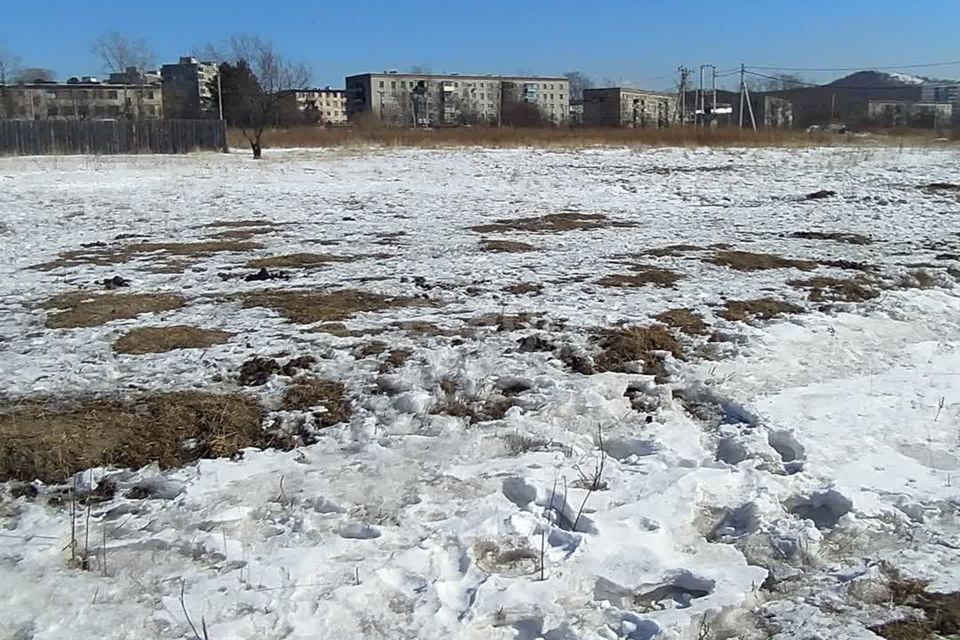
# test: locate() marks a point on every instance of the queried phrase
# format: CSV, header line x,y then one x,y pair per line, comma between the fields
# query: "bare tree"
x,y
34,74
258,102
9,66
119,52
578,82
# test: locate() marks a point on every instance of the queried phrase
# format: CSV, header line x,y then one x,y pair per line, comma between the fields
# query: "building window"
x,y
381,84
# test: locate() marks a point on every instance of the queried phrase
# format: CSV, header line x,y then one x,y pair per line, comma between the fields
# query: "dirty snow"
x,y
781,464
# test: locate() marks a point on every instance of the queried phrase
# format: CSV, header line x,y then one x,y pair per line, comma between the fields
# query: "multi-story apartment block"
x,y
317,106
943,91
627,107
188,89
416,99
80,99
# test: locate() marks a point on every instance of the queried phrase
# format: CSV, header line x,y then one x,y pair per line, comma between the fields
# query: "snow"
x,y
835,448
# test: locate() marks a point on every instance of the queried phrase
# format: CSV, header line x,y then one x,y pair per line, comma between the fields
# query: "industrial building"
x,y
80,99
188,89
628,107
414,99
315,106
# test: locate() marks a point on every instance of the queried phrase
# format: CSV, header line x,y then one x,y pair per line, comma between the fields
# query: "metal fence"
x,y
48,137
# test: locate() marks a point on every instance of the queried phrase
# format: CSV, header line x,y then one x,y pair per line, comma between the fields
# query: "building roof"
x,y
460,76
665,94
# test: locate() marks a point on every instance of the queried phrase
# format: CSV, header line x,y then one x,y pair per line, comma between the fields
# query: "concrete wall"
x,y
625,107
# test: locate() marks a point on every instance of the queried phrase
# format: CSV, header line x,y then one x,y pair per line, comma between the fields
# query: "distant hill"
x,y
877,80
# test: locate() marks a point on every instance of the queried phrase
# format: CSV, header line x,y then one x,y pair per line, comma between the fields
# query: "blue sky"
x,y
638,41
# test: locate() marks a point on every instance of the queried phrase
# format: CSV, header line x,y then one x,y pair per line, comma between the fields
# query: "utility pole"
x,y
714,68
682,98
700,105
743,88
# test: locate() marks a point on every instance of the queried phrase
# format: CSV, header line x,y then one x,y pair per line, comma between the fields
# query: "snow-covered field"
x,y
767,485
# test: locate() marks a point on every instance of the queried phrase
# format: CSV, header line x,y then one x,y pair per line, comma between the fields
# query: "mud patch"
x,y
552,223
143,340
759,309
50,441
747,261
83,309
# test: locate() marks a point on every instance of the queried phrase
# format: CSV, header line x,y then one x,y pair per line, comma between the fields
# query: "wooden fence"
x,y
49,137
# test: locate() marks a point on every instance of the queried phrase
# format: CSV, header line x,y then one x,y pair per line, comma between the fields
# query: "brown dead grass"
x,y
644,276
307,307
342,331
552,223
674,250
941,611
161,339
84,309
238,234
505,246
368,349
48,441
309,392
760,309
524,288
836,236
823,289
297,260
625,345
396,358
684,320
748,261
241,223
108,255
453,402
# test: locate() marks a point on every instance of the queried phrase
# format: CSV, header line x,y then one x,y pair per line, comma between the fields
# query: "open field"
x,y
510,393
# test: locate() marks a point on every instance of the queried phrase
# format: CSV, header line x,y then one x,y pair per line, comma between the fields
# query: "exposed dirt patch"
x,y
824,289
49,441
505,246
83,309
836,236
524,288
760,309
625,345
942,188
297,260
308,392
306,307
142,340
644,276
552,223
675,250
747,261
684,320
819,195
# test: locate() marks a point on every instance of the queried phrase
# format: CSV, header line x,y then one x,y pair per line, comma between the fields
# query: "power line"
x,y
877,68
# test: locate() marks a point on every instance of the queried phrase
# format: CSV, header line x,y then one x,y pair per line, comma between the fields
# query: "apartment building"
x,y
628,107
188,89
414,99
80,99
316,106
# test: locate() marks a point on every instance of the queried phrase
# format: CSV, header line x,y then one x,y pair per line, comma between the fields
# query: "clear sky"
x,y
628,41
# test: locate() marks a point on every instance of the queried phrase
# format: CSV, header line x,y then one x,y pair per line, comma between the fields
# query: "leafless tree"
x,y
259,103
578,82
34,74
9,65
119,52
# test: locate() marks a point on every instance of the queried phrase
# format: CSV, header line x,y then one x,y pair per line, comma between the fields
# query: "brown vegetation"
x,y
837,236
161,339
760,309
748,261
84,309
523,288
506,246
644,276
624,345
823,289
49,442
552,223
674,250
107,255
684,320
941,611
309,392
306,307
241,223
297,260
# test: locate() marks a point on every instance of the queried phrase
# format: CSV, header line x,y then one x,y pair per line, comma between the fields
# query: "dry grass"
x,y
308,392
364,136
238,234
340,330
625,345
106,255
684,320
84,309
836,236
297,260
748,261
760,309
524,288
47,441
941,610
194,249
229,224
824,289
396,358
673,250
552,223
453,402
306,307
368,349
644,276
505,246
161,339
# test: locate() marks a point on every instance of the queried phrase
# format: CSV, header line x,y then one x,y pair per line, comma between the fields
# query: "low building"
x,y
902,113
188,89
415,99
315,106
80,99
628,107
